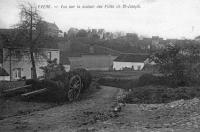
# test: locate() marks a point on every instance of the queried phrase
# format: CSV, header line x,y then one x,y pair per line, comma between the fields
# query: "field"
x,y
15,106
146,88
146,108
129,75
120,79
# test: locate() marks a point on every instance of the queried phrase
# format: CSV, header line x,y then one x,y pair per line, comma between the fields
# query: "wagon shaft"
x,y
66,86
18,90
36,92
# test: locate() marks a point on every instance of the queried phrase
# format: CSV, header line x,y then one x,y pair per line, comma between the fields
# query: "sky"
x,y
164,18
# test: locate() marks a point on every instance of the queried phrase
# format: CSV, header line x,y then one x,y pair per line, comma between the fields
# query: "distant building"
x,y
50,29
130,61
108,36
98,33
157,43
72,32
118,35
101,33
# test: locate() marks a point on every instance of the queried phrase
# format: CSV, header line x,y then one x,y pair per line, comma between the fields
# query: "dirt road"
x,y
66,117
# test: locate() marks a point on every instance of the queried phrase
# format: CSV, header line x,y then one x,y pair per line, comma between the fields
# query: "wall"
x,y
121,65
4,78
92,62
75,62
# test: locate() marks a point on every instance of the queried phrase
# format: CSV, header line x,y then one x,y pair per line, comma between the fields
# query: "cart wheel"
x,y
74,88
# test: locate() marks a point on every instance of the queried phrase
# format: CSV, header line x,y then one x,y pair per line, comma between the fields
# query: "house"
x,y
16,61
72,32
131,61
50,29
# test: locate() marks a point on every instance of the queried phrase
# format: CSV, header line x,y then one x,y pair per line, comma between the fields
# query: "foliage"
x,y
27,30
82,33
147,79
52,69
179,64
161,94
119,83
171,63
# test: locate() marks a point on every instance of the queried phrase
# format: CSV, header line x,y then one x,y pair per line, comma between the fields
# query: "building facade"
x,y
129,61
17,62
50,29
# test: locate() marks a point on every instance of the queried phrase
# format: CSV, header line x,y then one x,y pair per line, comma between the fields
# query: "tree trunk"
x,y
33,69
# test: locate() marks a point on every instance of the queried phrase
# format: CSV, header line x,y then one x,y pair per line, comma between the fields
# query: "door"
x,y
17,73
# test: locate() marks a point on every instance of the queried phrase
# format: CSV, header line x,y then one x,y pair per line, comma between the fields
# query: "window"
x,y
17,73
138,67
17,53
49,55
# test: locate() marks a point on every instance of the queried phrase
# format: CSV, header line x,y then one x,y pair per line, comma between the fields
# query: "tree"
x,y
180,64
82,33
28,28
52,69
171,64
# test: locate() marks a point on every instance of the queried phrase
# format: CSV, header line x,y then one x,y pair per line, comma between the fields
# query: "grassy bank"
x,y
148,88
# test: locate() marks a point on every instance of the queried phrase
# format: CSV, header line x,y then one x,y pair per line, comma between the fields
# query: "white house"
x,y
18,64
130,61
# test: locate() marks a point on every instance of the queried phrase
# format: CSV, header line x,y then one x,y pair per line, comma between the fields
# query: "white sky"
x,y
166,18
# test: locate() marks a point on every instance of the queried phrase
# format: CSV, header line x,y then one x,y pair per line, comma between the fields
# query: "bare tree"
x,y
28,26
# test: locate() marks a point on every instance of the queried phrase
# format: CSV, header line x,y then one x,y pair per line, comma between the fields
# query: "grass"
x,y
161,94
147,88
118,74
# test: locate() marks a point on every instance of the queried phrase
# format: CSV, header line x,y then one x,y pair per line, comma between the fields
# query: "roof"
x,y
131,58
3,72
50,25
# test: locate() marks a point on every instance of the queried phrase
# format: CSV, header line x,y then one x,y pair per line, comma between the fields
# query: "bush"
x,y
52,69
179,64
119,83
147,79
161,94
171,81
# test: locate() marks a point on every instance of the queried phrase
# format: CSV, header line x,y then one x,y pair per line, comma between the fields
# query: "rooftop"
x,y
132,58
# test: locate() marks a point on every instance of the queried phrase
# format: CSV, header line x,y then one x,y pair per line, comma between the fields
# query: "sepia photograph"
x,y
99,66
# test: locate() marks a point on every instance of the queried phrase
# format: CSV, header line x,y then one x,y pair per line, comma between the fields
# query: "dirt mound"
x,y
178,113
